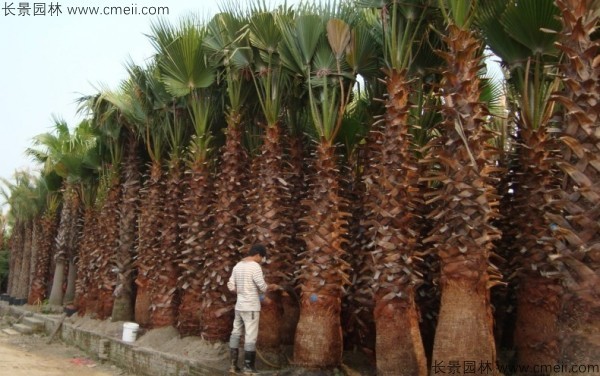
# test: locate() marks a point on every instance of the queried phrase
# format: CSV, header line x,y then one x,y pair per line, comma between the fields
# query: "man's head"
x,y
258,251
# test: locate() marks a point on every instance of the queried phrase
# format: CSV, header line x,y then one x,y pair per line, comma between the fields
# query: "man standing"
x,y
248,283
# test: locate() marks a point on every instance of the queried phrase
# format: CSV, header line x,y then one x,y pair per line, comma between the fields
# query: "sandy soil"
x,y
22,355
27,355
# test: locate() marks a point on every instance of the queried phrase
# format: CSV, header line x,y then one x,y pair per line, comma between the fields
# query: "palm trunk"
x,y
149,229
318,341
66,242
23,281
536,333
85,287
56,294
296,173
270,224
69,297
466,206
538,297
106,247
197,207
464,331
165,297
43,259
123,308
216,315
393,197
580,227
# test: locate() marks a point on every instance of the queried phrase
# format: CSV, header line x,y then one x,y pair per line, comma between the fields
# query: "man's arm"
x,y
259,280
231,283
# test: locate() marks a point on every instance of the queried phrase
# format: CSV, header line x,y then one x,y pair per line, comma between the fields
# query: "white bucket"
x,y
130,330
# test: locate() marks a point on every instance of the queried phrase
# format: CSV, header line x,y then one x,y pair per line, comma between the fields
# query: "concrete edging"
x,y
129,356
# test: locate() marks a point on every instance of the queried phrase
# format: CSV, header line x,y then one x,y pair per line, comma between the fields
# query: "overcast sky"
x,y
47,61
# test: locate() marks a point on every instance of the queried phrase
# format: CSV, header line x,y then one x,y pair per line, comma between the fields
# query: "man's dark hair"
x,y
258,249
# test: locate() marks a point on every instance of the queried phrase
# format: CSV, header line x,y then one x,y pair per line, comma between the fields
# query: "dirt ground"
x,y
29,355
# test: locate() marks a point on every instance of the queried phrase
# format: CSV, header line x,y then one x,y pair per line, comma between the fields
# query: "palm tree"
x,y
63,153
269,219
22,196
515,32
466,201
128,110
319,59
152,101
188,75
393,196
580,138
48,186
230,53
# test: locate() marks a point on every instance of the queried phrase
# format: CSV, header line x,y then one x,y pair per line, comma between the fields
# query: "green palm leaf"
x,y
524,22
183,62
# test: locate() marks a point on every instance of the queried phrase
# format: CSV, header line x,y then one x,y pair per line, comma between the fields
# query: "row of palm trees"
x,y
394,185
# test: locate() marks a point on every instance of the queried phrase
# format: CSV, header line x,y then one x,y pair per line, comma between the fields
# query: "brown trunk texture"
x,y
318,341
271,322
142,302
189,313
536,328
399,346
291,314
216,320
464,332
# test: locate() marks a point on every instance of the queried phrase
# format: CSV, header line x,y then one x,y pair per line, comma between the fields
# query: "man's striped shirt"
x,y
248,281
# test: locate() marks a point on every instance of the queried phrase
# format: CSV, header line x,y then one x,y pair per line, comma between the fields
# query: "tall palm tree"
x,y
49,185
269,218
125,108
188,75
22,198
319,59
63,153
228,50
151,106
580,138
466,202
393,196
185,71
514,31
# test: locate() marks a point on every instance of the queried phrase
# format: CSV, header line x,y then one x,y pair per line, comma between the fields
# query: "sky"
x,y
48,61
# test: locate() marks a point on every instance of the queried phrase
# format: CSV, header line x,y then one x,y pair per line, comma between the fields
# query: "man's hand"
x,y
273,287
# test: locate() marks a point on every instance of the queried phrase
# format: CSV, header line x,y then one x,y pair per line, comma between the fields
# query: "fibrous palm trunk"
x,y
197,208
393,199
466,204
16,249
66,242
39,284
107,243
86,291
580,226
539,292
295,171
223,252
149,237
270,223
165,271
24,273
357,314
123,308
323,271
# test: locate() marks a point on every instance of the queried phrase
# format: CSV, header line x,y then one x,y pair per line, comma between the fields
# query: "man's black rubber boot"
x,y
249,361
234,360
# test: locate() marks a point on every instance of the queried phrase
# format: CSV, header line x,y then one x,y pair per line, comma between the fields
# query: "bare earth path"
x,y
22,355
